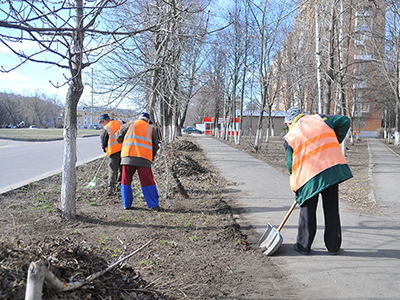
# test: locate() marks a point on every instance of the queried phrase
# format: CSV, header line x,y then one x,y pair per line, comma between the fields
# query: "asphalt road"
x,y
367,266
23,162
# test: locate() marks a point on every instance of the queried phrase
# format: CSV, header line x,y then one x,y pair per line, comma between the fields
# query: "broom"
x,y
92,184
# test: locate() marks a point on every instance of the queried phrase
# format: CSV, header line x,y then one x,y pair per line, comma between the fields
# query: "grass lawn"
x,y
41,134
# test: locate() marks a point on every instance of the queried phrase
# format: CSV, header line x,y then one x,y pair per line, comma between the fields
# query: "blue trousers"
x,y
149,187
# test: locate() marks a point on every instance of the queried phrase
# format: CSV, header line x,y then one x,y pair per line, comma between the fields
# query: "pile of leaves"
x,y
185,165
75,261
186,145
181,159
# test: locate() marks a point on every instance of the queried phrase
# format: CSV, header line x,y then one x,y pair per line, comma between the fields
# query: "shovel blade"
x,y
268,236
276,243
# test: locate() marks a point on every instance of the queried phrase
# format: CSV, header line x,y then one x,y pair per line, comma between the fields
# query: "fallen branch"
x,y
38,273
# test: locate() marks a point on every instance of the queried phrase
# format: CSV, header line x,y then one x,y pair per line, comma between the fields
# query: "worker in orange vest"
x,y
316,165
139,146
112,149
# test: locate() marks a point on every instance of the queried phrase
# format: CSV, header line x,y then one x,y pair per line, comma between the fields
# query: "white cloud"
x,y
21,84
23,46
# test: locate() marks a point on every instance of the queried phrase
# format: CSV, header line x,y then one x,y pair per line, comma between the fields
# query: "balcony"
x,y
359,43
363,57
360,85
362,28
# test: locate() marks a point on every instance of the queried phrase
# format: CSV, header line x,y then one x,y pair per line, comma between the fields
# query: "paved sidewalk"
x,y
366,268
385,166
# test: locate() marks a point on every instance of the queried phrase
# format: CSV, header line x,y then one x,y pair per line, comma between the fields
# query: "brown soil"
x,y
196,251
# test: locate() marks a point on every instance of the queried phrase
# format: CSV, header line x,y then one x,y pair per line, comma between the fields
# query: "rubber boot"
x,y
126,195
150,195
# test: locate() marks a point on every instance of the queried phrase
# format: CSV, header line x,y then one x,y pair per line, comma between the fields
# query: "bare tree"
x,y
39,109
341,75
11,112
70,33
269,38
390,65
156,70
246,47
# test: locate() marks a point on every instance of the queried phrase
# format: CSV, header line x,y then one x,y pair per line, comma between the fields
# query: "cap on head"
x,y
291,114
144,116
104,117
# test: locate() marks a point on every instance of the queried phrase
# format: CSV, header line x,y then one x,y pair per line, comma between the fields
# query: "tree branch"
x,y
38,273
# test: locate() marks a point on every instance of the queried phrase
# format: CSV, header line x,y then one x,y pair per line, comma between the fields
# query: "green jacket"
x,y
328,177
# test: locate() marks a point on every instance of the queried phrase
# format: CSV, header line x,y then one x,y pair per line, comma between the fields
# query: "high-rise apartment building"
x,y
345,40
369,31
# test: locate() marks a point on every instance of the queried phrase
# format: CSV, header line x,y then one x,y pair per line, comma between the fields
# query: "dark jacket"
x,y
104,138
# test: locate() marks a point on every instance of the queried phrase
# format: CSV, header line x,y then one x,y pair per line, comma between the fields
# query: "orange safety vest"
x,y
138,140
113,146
315,149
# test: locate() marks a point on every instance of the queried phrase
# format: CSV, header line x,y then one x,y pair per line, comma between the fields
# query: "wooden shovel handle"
x,y
287,216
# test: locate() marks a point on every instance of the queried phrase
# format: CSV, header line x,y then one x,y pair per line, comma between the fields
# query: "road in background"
x,y
23,162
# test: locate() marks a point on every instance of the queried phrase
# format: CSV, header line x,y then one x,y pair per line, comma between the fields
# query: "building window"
x,y
364,19
361,85
361,38
363,57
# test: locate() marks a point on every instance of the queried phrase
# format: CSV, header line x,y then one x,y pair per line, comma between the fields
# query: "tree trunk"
x,y
385,128
216,118
397,130
343,100
269,122
257,140
389,130
68,188
260,118
318,58
259,131
397,106
330,73
34,281
244,76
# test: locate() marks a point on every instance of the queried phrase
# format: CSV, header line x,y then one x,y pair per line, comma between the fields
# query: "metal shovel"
x,y
271,238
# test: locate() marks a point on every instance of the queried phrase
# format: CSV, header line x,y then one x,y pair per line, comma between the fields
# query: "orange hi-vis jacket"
x,y
315,149
113,146
138,140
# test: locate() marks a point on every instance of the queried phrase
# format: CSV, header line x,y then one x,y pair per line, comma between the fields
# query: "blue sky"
x,y
31,76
